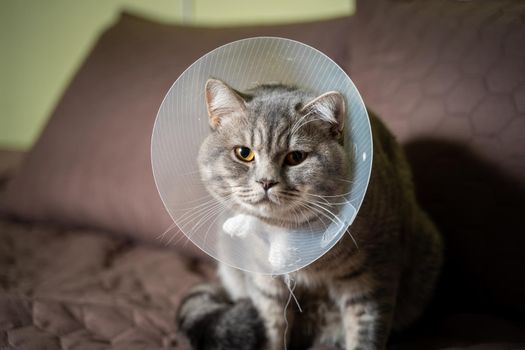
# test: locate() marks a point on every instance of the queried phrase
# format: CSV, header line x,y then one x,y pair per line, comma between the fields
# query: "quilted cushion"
x,y
87,290
448,77
91,166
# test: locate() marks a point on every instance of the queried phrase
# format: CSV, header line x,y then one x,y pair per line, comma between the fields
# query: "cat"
x,y
354,295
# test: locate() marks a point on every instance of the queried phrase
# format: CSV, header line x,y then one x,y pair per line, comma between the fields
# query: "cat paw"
x,y
238,226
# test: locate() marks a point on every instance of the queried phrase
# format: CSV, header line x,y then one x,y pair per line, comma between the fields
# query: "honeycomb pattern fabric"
x,y
447,69
65,289
448,77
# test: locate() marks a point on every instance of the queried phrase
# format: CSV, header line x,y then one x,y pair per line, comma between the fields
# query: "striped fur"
x,y
211,321
354,295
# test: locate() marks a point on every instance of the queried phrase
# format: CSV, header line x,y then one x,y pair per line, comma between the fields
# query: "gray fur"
x,y
210,321
265,123
351,297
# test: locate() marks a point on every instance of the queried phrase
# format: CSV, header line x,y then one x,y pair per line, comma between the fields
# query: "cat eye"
x,y
295,158
244,153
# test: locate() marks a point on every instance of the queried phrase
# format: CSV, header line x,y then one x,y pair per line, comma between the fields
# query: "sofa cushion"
x,y
91,165
448,77
88,290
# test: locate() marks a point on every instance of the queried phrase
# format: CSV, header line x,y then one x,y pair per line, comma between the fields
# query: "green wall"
x,y
43,42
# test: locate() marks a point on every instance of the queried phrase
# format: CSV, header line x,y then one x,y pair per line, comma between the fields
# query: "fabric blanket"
x,y
73,289
63,288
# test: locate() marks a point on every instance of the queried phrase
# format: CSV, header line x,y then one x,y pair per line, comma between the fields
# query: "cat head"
x,y
275,152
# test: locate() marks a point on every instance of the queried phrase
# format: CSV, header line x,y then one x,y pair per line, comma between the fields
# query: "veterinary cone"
x,y
182,124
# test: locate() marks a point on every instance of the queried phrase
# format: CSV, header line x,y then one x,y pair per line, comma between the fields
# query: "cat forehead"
x,y
273,135
275,109
279,93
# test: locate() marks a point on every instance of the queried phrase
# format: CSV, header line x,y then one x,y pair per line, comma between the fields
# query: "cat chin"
x,y
269,211
272,214
261,209
266,210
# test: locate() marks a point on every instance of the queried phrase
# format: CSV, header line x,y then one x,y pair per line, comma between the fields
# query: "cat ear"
x,y
330,107
221,101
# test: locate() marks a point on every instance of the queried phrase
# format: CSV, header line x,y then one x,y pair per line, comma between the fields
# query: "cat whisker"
x,y
207,209
323,200
190,231
329,196
183,222
163,234
214,213
352,237
240,189
210,201
306,122
294,127
180,238
192,212
340,222
324,197
200,198
327,213
245,191
238,186
211,223
250,195
318,207
289,193
314,212
296,198
305,219
330,203
345,180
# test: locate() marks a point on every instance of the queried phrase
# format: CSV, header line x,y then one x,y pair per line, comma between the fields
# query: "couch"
x,y
89,258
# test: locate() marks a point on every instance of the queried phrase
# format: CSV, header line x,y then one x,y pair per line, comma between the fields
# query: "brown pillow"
x,y
91,166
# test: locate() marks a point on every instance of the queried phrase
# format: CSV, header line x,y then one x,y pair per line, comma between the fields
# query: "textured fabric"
x,y
448,77
67,289
88,290
91,166
469,181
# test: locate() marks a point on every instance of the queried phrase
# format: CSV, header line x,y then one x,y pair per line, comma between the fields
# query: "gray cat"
x,y
273,168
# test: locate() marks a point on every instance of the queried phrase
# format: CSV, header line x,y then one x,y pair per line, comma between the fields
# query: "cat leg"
x,y
366,310
234,281
269,295
210,321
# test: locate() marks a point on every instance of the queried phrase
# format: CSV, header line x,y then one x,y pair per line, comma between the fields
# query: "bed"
x,y
85,261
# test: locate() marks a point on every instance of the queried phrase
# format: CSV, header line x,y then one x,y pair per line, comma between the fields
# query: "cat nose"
x,y
267,184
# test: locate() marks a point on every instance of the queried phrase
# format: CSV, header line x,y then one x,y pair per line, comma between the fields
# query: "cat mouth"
x,y
269,205
266,199
271,200
266,203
